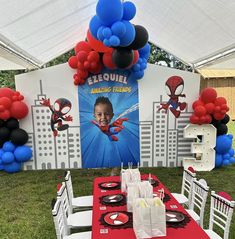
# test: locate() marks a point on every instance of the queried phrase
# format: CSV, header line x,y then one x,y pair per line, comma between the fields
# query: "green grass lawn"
x,y
25,197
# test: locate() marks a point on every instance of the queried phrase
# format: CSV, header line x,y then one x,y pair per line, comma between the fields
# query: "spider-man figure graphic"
x,y
61,107
103,113
174,88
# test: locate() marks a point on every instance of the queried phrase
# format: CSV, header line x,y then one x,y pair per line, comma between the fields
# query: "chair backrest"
x,y
69,186
188,177
60,220
221,212
62,195
199,195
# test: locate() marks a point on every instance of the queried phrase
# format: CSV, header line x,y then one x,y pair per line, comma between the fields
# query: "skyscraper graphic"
x,y
168,143
52,152
146,138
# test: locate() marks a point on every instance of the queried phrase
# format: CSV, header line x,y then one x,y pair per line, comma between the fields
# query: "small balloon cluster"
x,y
12,139
112,42
208,106
212,109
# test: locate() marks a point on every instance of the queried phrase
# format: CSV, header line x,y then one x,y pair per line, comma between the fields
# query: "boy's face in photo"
x,y
103,114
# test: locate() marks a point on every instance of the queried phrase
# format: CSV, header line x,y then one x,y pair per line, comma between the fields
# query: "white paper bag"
x,y
129,176
149,218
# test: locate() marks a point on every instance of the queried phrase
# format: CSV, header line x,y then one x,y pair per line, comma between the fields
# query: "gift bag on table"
x,y
149,218
129,176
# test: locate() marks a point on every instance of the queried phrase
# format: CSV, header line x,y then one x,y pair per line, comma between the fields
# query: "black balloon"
x,y
222,129
141,38
12,124
122,57
1,122
226,119
4,134
19,136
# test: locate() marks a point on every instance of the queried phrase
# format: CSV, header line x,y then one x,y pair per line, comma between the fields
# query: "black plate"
x,y
174,217
113,198
109,185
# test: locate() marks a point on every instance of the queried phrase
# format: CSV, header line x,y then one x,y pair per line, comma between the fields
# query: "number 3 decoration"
x,y
203,148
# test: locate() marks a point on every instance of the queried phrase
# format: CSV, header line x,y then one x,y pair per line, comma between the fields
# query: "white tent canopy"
x,y
198,32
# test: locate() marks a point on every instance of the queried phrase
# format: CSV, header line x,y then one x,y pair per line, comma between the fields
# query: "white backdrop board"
x,y
161,131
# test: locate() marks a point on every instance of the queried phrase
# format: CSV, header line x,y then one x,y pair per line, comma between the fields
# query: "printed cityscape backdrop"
x,y
161,134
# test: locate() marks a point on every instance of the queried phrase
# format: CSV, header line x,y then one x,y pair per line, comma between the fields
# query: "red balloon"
x,y
217,109
197,103
4,115
136,57
82,46
108,62
93,56
93,65
19,109
218,116
98,69
200,111
6,92
210,107
73,62
208,95
6,102
97,45
220,101
86,65
208,119
194,119
80,66
82,56
82,74
224,107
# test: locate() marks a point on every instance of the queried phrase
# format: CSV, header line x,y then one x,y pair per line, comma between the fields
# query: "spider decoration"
x,y
174,87
61,107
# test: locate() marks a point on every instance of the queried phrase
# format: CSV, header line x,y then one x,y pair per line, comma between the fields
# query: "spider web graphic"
x,y
129,110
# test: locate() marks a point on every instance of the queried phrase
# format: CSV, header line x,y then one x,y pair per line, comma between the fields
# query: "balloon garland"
x,y
112,42
12,139
211,109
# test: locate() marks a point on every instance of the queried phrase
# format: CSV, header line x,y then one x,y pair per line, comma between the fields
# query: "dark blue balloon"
x,y
23,153
13,167
226,156
100,35
1,153
94,25
129,11
8,157
231,152
8,147
129,35
223,144
232,160
138,74
114,41
109,11
218,160
1,166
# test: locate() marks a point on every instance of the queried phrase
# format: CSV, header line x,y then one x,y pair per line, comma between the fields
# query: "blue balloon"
x,y
1,165
138,74
106,42
12,167
218,160
94,25
136,67
231,152
1,153
226,162
107,33
8,157
109,11
8,147
226,156
100,35
232,160
145,51
114,41
23,153
223,144
118,29
129,35
129,11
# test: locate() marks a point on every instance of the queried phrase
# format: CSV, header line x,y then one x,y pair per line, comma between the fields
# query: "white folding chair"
x,y
78,219
185,196
61,226
221,212
83,202
198,202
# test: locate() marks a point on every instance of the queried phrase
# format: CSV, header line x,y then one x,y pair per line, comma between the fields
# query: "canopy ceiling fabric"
x,y
195,31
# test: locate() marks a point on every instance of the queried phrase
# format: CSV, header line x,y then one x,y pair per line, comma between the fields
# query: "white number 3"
x,y
203,148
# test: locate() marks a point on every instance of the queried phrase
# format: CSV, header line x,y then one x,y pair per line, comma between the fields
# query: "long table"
x,y
189,231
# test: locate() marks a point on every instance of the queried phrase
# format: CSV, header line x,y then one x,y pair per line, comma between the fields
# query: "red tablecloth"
x,y
190,231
